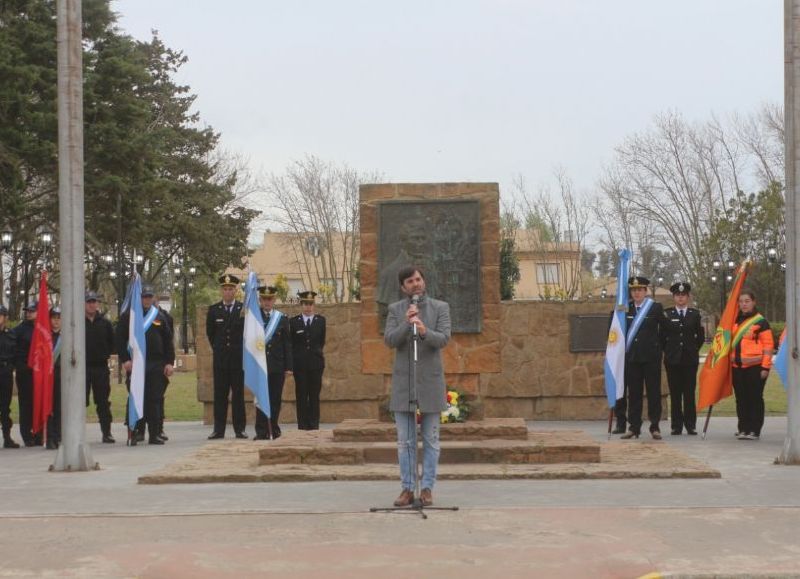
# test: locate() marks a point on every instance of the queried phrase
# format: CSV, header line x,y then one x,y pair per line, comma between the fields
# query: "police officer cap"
x,y
91,297
31,307
148,290
307,296
228,280
681,287
267,291
55,312
3,310
638,281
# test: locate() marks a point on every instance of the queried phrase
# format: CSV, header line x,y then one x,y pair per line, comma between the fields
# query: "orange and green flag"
x,y
716,381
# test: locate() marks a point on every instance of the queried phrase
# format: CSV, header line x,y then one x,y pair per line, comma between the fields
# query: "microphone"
x,y
414,303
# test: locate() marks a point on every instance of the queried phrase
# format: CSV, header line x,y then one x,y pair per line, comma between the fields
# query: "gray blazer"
x,y
435,315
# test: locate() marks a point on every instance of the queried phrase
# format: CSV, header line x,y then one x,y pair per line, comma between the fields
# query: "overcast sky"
x,y
462,90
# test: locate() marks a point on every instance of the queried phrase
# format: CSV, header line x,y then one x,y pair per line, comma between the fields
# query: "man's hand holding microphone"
x,y
412,316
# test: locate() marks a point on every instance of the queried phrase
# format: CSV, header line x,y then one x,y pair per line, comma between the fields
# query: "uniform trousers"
x,y
153,392
276,380
98,384
639,376
25,401
6,391
54,420
228,381
682,380
749,389
308,385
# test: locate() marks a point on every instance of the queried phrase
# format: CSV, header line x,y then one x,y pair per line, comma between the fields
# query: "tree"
x,y
318,204
145,151
509,262
667,184
747,229
557,225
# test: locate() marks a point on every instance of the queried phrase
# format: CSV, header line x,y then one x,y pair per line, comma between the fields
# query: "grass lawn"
x,y
180,404
181,401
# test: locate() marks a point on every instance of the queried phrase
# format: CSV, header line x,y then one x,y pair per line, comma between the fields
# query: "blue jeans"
x,y
407,452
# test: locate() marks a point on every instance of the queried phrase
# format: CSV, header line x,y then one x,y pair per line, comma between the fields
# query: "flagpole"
x,y
708,419
74,454
610,421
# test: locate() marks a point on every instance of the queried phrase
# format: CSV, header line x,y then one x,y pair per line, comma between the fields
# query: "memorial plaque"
x,y
441,237
588,332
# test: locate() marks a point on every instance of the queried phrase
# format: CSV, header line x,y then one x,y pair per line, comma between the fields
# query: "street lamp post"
x,y
723,273
186,275
45,240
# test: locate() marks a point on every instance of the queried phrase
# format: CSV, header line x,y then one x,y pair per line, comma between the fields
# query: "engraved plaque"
x,y
588,332
443,239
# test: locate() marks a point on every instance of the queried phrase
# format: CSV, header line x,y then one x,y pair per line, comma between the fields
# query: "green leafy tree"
x,y
751,225
145,149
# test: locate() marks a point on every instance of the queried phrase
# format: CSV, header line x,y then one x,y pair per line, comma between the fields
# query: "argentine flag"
x,y
253,353
615,349
137,346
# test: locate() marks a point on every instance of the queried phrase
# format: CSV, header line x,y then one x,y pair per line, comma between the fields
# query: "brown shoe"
x,y
655,434
426,497
405,498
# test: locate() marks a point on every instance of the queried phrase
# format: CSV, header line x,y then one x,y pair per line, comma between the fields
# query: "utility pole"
x,y
74,453
791,445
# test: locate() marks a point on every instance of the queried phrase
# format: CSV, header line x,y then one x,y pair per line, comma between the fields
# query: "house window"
x,y
295,285
547,273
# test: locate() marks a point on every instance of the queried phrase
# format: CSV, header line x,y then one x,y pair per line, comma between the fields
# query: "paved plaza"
x,y
104,524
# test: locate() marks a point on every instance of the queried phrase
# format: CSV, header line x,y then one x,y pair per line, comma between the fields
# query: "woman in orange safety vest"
x,y
752,344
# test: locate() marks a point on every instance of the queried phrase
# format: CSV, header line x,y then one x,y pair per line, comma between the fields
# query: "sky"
x,y
462,90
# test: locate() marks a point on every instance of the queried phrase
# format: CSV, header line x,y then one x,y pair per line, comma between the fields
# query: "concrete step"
x,y
369,430
540,447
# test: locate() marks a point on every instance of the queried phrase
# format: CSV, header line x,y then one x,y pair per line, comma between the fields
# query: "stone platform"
x,y
360,450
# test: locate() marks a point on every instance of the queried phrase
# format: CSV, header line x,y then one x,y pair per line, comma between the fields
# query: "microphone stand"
x,y
416,507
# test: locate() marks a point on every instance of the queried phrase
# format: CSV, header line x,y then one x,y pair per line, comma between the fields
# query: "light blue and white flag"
x,y
254,357
137,346
781,360
615,349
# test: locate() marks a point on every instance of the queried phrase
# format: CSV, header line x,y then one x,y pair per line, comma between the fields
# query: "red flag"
x,y
716,378
40,360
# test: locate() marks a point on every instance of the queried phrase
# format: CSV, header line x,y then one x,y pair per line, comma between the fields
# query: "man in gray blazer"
x,y
431,318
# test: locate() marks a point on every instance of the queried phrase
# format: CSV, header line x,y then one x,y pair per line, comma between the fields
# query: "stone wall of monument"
x,y
538,377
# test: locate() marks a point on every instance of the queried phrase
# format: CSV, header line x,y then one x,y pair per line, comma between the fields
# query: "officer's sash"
x,y
744,328
269,329
151,316
637,322
56,349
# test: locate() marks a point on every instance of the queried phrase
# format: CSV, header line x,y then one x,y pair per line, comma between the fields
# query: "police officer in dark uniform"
x,y
643,360
23,335
158,362
99,347
308,341
279,361
8,346
683,337
225,331
171,324
54,420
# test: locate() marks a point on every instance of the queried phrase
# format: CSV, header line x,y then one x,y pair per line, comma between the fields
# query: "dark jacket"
x,y
160,350
646,346
225,332
99,340
23,334
682,338
308,343
279,348
8,348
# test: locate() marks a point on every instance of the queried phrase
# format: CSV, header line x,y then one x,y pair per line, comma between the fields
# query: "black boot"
x,y
8,442
105,427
